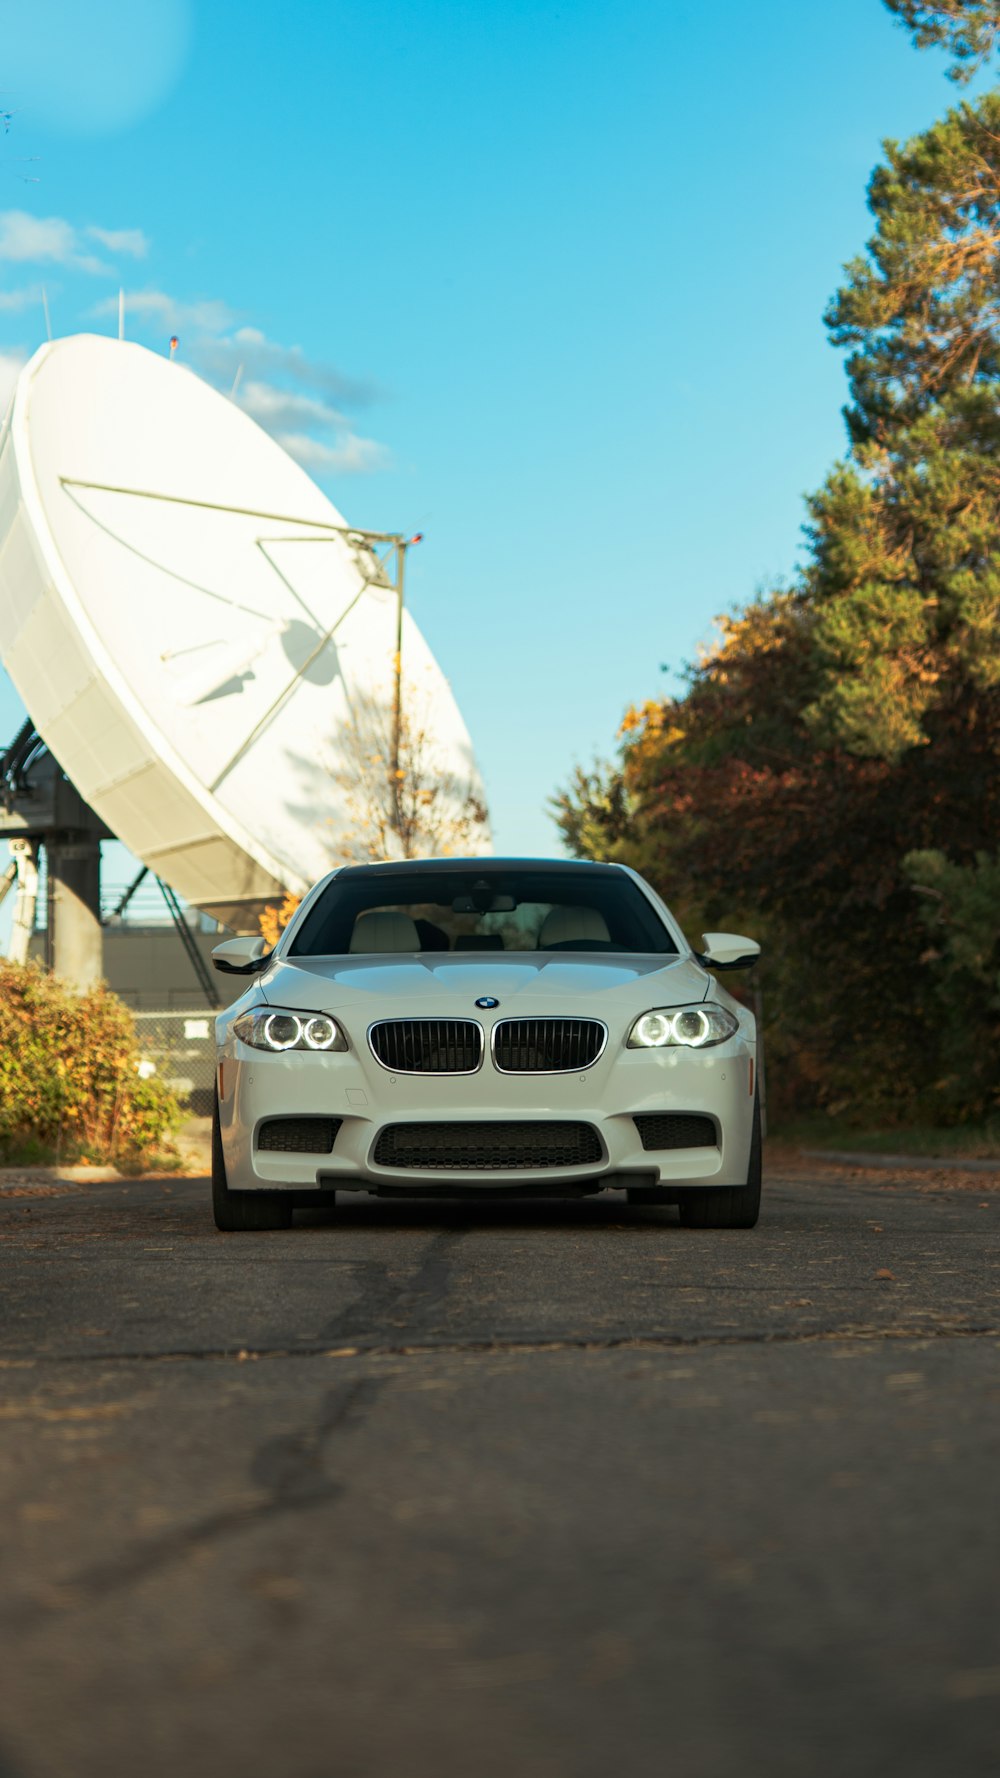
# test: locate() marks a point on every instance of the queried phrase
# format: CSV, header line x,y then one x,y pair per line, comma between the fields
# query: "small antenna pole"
x,y
237,380
397,685
174,343
121,314
401,545
45,307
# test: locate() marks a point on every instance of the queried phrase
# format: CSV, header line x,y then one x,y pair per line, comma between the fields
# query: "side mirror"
x,y
241,956
727,950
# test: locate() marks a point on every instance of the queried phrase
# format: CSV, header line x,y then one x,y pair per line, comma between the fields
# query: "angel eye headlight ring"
x,y
693,1026
683,1027
277,1030
651,1031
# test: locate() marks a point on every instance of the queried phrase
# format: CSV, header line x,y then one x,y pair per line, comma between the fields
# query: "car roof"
x,y
416,866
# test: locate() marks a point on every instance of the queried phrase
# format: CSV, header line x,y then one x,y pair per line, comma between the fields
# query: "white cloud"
x,y
44,240
170,312
10,365
10,300
277,409
51,240
290,395
349,454
268,359
122,240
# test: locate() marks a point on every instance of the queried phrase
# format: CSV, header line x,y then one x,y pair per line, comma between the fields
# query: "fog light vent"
x,y
298,1135
675,1129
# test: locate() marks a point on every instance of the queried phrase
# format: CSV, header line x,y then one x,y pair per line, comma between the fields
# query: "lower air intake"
x,y
298,1135
487,1147
675,1129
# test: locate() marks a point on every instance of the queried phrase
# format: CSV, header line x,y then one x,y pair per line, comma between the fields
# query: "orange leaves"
x,y
68,1077
273,920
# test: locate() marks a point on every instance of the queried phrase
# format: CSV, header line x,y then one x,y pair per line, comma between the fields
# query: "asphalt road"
x,y
563,1491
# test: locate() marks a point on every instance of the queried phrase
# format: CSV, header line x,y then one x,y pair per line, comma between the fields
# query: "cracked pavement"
x,y
553,1489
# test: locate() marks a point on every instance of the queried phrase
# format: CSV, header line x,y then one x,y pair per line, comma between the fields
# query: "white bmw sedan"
x,y
451,1026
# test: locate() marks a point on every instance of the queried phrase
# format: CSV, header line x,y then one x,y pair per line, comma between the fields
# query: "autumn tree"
x,y
408,801
830,775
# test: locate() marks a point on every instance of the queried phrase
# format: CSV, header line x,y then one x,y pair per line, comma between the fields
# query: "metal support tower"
x,y
40,808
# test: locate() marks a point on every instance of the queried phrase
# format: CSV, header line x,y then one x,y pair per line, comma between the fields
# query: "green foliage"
x,y
960,907
919,313
904,585
968,29
68,1074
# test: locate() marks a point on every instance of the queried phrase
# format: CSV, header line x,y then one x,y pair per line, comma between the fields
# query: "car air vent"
x,y
675,1129
298,1135
547,1046
487,1147
427,1046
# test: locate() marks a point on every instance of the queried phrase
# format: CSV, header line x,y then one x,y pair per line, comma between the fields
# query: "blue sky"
x,y
543,280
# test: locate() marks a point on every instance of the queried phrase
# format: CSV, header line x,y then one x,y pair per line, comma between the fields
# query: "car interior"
x,y
524,910
562,928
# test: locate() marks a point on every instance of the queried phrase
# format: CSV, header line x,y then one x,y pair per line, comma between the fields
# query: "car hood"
x,y
533,983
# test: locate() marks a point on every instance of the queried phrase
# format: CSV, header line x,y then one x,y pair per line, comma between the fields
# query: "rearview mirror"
x,y
727,950
241,956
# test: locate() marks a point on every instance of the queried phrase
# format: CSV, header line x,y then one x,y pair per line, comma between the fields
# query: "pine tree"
x,y
920,312
829,777
969,29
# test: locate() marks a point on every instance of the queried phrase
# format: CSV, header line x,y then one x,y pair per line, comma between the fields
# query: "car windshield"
x,y
516,908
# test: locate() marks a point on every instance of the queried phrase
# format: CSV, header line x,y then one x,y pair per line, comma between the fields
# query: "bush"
x,y
69,1081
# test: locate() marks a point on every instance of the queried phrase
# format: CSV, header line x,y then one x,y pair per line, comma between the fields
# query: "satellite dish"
x,y
194,629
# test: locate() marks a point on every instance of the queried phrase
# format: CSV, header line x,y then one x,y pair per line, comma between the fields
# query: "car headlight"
x,y
693,1027
271,1028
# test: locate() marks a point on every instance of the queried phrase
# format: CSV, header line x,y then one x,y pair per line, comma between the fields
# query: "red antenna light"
x,y
174,343
418,537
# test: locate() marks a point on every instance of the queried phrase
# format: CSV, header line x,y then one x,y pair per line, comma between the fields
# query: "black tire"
x,y
728,1206
238,1212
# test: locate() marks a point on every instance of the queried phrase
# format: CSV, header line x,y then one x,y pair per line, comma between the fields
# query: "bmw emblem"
x,y
487,1002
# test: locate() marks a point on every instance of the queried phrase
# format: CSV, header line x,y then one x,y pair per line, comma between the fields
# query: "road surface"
x,y
556,1491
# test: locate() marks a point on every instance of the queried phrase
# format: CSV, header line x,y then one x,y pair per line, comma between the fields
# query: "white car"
x,y
451,1026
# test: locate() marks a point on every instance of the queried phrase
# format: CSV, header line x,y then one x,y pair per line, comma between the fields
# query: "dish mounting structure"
x,y
180,651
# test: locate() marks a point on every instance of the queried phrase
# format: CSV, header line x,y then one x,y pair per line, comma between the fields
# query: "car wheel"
x,y
240,1211
728,1207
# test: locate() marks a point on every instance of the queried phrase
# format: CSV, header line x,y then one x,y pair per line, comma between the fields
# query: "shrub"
x,y
69,1081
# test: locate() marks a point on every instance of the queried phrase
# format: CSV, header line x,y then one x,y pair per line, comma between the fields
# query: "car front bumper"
x,y
256,1087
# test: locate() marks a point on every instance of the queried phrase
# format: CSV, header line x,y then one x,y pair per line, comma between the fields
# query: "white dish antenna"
x,y
193,627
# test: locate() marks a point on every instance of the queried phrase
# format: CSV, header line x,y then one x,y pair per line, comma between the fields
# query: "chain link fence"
x,y
179,1049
